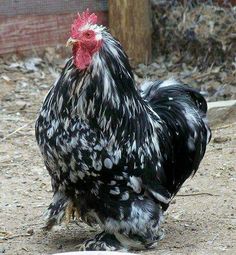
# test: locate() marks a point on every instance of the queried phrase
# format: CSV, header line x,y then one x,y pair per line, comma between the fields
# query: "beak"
x,y
70,42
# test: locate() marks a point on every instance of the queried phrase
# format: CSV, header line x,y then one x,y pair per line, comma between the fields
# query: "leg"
x,y
138,227
61,209
102,242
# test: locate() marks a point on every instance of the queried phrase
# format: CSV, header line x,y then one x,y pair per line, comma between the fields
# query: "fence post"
x,y
130,22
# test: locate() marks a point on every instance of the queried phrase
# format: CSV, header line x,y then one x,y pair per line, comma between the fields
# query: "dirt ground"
x,y
201,219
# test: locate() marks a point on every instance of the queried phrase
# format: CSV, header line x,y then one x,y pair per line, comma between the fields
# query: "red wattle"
x,y
82,58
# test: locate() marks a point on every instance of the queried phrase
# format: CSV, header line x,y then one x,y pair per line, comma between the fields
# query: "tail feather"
x,y
183,110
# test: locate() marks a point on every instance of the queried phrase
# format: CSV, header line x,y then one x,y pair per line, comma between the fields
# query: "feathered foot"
x,y
119,242
102,242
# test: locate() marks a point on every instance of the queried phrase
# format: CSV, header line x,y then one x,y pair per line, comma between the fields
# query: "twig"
x,y
201,76
38,206
15,131
16,236
225,126
8,164
213,240
33,224
197,194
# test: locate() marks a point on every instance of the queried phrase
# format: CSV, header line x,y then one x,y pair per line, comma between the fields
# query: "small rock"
x,y
2,249
32,63
21,104
30,231
220,139
59,247
5,78
16,65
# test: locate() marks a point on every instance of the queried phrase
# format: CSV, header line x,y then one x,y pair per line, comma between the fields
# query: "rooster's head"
x,y
85,38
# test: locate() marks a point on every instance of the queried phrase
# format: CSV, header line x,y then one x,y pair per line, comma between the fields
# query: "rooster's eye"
x,y
88,34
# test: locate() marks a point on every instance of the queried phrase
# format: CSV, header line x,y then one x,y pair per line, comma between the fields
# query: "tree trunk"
x,y
130,23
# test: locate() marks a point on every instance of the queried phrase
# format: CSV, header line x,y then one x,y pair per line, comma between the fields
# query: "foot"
x,y
119,242
102,242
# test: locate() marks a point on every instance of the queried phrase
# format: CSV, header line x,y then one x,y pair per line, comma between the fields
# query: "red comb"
x,y
83,19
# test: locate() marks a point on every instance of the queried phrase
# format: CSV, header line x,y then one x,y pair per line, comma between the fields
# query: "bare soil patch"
x,y
201,219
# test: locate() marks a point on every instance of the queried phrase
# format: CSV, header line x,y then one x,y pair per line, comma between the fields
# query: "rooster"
x,y
117,154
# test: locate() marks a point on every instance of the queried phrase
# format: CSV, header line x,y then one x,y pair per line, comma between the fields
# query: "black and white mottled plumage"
x,y
118,153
